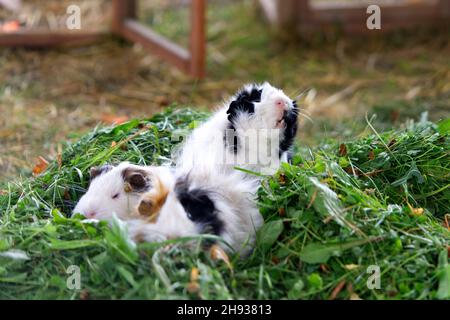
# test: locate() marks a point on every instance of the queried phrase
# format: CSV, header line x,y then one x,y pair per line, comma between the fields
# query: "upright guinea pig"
x,y
255,130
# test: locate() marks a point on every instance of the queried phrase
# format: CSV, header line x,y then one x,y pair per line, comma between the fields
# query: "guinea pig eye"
x,y
116,196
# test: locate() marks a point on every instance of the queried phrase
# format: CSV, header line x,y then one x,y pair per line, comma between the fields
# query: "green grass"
x,y
380,199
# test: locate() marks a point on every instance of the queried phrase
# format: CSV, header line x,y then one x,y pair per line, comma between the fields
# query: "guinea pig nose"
x,y
90,214
281,103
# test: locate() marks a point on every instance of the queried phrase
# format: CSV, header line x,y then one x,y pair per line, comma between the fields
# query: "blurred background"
x,y
49,96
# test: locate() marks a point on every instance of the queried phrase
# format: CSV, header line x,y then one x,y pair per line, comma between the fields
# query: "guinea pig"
x,y
254,130
156,206
118,189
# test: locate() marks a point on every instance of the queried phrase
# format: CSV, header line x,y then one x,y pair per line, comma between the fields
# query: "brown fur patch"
x,y
152,201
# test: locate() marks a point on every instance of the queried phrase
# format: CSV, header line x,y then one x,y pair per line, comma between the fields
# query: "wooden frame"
x,y
306,18
124,23
191,61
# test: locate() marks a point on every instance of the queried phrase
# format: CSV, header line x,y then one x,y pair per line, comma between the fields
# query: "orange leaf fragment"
x,y
40,166
10,26
416,211
193,285
336,290
217,253
447,221
113,119
342,150
194,274
324,268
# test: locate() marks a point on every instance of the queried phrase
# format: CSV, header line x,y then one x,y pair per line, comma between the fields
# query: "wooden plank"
x,y
353,19
391,13
340,4
44,38
197,44
122,10
355,28
157,44
444,8
304,11
287,11
192,61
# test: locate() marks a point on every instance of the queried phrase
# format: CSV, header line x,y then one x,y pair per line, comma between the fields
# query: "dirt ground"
x,y
48,97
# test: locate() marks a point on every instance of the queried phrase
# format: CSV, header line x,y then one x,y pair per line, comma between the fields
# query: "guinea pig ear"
x,y
136,180
94,172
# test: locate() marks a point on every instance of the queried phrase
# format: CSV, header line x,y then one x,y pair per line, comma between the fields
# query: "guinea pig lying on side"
x,y
156,206
119,189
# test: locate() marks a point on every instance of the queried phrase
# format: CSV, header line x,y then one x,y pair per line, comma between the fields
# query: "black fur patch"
x,y
199,206
290,130
244,101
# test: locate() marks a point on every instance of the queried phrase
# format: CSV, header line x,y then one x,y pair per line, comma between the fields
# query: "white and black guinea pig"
x,y
255,129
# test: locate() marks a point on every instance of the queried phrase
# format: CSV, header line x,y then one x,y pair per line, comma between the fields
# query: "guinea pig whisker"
x,y
302,93
306,117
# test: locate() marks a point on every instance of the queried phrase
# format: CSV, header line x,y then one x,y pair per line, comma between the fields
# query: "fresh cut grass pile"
x,y
360,219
